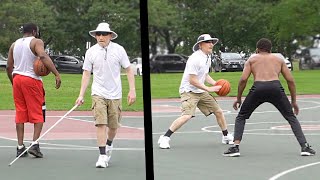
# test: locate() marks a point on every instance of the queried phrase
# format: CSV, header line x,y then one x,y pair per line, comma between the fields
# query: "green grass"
x,y
162,86
64,98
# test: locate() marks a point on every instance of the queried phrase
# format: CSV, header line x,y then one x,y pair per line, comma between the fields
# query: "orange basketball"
x,y
225,87
39,68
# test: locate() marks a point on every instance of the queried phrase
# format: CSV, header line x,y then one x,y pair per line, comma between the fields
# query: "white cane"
x,y
34,142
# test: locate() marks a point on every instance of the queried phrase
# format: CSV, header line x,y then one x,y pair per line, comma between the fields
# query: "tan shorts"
x,y
204,101
106,111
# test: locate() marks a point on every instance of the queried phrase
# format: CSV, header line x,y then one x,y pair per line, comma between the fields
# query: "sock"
x,y
102,150
109,142
236,145
225,132
20,147
168,133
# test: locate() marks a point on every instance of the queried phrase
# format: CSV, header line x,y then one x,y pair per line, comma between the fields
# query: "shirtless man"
x,y
266,69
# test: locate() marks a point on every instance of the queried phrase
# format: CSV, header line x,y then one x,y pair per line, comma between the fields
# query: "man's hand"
x,y
214,88
237,104
131,97
295,108
58,81
80,100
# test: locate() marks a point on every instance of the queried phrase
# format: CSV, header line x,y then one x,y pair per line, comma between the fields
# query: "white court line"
x,y
65,146
207,129
292,170
81,148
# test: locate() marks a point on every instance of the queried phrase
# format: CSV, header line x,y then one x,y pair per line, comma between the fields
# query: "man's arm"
x,y
244,78
10,61
291,86
193,79
84,84
242,84
210,80
39,51
132,87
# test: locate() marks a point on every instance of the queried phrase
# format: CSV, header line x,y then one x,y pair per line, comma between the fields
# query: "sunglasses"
x,y
208,41
102,33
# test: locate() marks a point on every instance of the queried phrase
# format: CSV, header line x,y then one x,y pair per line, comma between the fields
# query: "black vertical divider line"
x,y
146,90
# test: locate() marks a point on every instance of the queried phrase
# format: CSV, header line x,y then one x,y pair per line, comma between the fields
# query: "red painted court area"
x,y
78,125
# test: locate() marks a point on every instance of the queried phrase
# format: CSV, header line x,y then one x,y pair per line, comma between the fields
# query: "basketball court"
x,y
70,150
268,150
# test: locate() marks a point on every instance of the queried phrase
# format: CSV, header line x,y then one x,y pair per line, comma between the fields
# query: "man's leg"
x,y
20,136
101,135
227,138
20,133
208,105
35,149
251,102
285,108
221,119
37,130
101,141
177,124
112,132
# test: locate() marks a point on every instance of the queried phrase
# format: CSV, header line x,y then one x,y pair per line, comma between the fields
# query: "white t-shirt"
x,y
23,58
197,64
106,63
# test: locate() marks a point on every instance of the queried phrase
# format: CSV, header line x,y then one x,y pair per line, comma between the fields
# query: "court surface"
x,y
268,150
70,150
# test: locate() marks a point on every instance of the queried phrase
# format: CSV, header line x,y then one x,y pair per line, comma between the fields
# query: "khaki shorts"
x,y
106,111
204,101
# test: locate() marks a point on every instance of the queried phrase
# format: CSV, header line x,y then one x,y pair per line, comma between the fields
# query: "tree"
x,y
13,14
294,20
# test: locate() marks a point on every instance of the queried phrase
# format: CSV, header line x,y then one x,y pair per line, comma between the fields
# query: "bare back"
x,y
265,66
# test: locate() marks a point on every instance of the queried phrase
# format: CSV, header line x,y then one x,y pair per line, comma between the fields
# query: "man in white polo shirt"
x,y
194,93
105,60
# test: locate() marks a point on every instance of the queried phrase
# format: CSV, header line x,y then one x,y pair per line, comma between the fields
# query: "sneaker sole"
x,y
164,148
34,154
24,155
232,155
306,154
100,167
230,142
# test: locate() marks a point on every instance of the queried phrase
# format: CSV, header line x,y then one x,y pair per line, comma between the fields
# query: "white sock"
x,y
20,147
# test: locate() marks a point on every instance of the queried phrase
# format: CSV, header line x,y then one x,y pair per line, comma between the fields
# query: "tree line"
x,y
174,25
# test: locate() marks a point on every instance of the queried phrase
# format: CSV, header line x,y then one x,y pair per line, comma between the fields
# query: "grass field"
x,y
162,86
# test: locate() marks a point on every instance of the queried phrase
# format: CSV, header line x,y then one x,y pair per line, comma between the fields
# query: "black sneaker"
x,y
19,151
35,151
232,152
307,151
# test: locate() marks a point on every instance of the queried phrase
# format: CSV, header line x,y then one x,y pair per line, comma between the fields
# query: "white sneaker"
x,y
109,151
102,161
228,139
164,142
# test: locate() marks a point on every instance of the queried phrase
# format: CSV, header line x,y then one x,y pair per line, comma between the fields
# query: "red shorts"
x,y
28,94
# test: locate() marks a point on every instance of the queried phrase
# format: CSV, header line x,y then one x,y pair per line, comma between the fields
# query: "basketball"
x,y
225,87
39,68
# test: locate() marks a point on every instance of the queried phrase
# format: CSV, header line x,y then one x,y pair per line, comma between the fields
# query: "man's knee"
x,y
218,113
